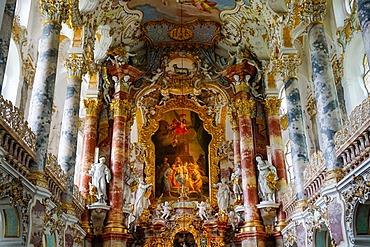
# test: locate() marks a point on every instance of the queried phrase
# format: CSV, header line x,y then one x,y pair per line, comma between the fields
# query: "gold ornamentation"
x,y
338,69
38,179
314,168
311,108
290,237
55,11
357,193
184,223
334,176
121,108
68,208
75,65
57,176
245,107
288,66
13,120
313,11
92,106
300,206
180,102
284,122
181,33
28,71
272,106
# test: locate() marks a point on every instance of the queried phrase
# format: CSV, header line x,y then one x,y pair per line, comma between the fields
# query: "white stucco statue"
x,y
166,211
267,178
236,178
101,175
202,213
223,195
141,200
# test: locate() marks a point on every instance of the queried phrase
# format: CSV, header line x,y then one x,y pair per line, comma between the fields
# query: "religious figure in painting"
x,y
181,155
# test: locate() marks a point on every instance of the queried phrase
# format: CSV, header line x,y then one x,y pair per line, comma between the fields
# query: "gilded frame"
x,y
179,102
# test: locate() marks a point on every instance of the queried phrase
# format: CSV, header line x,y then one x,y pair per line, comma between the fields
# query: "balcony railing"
x,y
12,119
352,142
314,175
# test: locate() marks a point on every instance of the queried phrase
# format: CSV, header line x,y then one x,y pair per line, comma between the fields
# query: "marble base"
x,y
98,214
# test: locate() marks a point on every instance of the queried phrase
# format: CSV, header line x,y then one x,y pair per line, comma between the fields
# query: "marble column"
x,y
43,86
297,136
328,111
253,224
69,131
5,34
363,8
121,113
92,107
272,106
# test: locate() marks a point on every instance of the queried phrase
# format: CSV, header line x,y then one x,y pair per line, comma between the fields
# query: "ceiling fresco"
x,y
182,10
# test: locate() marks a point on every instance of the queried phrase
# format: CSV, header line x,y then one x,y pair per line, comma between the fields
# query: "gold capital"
x,y
288,65
92,107
121,107
244,107
55,11
75,65
272,106
313,11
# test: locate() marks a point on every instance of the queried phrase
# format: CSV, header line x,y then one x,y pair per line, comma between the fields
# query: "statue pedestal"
x,y
268,211
98,214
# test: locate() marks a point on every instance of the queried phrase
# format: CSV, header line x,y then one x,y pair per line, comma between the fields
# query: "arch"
x,y
361,224
353,83
10,227
322,238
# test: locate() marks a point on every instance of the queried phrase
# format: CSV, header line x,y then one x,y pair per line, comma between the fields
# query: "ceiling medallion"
x,y
181,33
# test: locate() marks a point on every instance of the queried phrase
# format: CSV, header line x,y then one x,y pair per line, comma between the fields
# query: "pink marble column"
x,y
121,109
272,106
88,153
245,108
236,143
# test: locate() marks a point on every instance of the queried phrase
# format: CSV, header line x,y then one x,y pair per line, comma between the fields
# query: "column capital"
x,y
245,107
54,10
313,11
92,106
76,65
272,106
288,65
121,108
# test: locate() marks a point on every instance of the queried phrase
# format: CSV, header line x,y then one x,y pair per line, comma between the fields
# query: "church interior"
x,y
184,123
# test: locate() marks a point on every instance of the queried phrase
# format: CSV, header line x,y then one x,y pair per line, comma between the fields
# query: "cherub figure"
x,y
166,211
202,213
